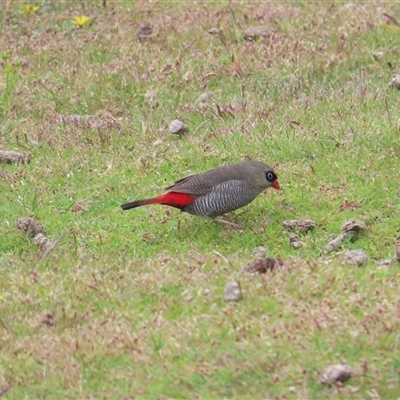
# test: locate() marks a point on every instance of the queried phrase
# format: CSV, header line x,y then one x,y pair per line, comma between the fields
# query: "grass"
x,y
130,304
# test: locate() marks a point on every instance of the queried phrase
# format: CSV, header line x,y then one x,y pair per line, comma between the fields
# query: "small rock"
x,y
377,55
302,225
395,80
257,32
260,252
12,157
29,227
353,226
337,242
384,263
144,32
214,31
43,242
177,127
356,257
335,373
103,120
204,97
48,319
77,118
397,249
262,265
233,291
294,241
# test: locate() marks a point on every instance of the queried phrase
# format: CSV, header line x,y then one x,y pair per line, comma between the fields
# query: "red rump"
x,y
173,199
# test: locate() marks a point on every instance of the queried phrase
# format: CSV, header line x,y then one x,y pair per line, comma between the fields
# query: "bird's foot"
x,y
228,223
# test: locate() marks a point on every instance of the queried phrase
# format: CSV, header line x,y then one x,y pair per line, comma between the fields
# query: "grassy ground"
x,y
130,304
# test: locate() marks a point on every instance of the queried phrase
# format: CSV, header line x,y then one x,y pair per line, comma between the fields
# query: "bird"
x,y
217,191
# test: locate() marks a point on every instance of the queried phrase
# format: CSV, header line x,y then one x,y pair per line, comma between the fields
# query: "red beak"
x,y
275,185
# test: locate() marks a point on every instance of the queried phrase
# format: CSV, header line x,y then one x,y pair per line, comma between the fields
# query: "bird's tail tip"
x,y
133,204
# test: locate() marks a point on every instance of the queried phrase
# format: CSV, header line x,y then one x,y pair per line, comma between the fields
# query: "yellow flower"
x,y
80,21
30,9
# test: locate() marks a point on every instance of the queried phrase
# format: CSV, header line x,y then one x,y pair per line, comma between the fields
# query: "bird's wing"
x,y
201,184
195,185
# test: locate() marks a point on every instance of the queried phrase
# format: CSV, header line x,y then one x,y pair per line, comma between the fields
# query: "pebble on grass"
x,y
335,373
294,241
177,127
233,291
43,242
337,242
262,265
29,226
353,225
214,31
205,97
144,32
12,157
48,319
301,225
356,257
395,81
397,249
34,230
104,120
257,33
384,263
349,228
260,252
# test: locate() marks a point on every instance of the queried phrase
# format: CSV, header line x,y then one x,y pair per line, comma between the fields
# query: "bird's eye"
x,y
270,176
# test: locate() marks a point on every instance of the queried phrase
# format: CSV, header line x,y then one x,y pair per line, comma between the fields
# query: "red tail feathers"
x,y
173,199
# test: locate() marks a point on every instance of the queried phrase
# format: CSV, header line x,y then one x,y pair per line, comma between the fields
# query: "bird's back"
x,y
202,184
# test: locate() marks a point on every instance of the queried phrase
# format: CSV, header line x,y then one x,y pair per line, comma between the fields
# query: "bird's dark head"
x,y
261,175
272,179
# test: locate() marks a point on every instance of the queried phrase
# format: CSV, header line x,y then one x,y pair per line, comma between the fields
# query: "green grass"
x,y
130,304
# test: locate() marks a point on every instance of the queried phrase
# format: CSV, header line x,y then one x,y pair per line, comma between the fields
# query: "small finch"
x,y
217,191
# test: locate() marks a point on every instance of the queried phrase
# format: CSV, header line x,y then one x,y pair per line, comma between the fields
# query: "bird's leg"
x,y
229,223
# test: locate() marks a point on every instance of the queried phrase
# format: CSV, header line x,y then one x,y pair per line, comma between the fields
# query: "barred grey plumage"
x,y
225,197
217,191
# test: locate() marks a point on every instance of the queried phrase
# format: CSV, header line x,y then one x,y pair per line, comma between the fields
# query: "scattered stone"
x,y
214,31
294,241
35,231
337,242
48,319
349,228
257,32
204,97
395,80
103,120
397,249
301,225
384,263
29,227
378,55
144,32
356,257
43,242
76,119
262,265
12,157
233,291
177,127
335,373
353,226
260,252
